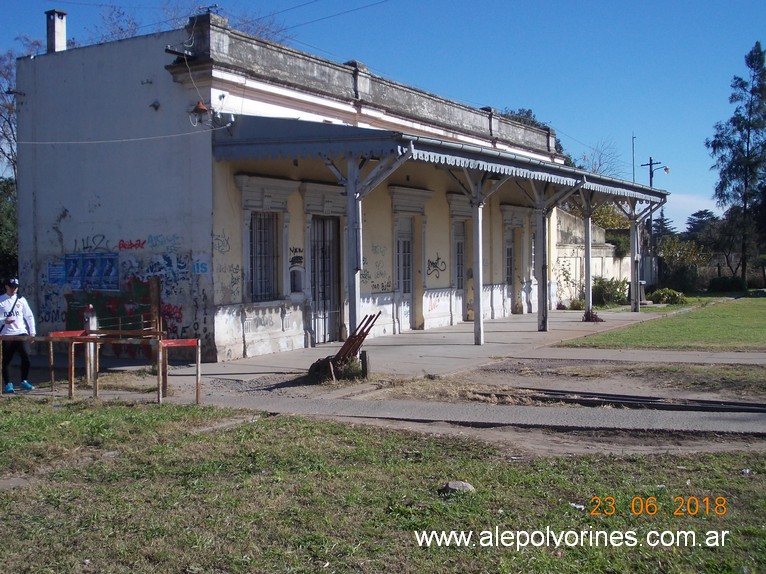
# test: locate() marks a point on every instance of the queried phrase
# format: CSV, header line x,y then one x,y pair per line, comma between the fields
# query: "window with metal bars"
x,y
459,264
265,256
458,239
508,264
404,255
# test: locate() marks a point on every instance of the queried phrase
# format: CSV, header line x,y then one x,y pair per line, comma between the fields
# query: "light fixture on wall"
x,y
200,114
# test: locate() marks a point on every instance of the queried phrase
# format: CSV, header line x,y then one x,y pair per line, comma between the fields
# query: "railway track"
x,y
590,399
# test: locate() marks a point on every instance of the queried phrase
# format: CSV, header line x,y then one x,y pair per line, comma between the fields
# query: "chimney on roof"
x,y
56,28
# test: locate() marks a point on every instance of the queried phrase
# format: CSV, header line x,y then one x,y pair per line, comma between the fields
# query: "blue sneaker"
x,y
25,386
8,389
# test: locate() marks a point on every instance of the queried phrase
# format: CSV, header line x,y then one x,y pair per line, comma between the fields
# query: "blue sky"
x,y
596,71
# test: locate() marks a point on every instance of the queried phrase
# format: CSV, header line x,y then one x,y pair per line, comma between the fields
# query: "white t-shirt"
x,y
20,313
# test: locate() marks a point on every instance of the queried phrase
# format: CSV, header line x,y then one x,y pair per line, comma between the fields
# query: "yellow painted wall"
x,y
377,231
226,265
296,243
438,247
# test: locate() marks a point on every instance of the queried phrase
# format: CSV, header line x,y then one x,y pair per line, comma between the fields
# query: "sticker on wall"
x,y
56,273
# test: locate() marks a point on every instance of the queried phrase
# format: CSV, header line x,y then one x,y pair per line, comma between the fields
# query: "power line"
x,y
336,14
123,140
107,5
286,10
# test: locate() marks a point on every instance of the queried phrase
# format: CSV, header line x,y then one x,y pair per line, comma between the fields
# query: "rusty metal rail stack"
x,y
349,350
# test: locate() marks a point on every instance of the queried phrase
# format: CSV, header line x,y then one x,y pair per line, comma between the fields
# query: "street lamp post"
x,y
652,169
651,165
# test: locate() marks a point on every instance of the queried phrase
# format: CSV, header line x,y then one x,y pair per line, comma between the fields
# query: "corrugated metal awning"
x,y
261,138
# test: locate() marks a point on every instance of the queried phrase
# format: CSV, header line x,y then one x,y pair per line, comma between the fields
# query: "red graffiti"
x,y
173,317
172,312
130,244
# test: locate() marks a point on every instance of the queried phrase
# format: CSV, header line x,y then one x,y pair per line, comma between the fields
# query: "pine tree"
x,y
739,147
662,226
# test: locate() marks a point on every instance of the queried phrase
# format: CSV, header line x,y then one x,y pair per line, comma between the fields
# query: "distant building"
x,y
280,197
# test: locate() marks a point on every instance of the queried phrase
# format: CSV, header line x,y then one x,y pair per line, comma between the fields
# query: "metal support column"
x,y
587,208
353,259
541,267
478,273
635,260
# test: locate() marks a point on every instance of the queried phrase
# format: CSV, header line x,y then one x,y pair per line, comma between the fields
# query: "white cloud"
x,y
681,205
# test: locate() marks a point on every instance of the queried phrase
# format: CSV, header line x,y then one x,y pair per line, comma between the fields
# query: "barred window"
x,y
458,242
404,255
265,256
508,264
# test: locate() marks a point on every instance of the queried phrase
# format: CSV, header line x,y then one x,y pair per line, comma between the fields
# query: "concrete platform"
x,y
452,350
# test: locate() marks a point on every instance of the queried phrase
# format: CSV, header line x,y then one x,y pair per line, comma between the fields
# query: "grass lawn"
x,y
737,325
112,487
139,488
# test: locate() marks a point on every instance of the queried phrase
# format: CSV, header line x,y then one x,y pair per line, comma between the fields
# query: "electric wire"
x,y
125,140
349,11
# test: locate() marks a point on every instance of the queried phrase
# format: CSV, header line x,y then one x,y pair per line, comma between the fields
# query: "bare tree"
x,y
8,93
8,111
118,23
602,159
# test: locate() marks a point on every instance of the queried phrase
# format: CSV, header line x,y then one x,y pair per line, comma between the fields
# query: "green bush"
x,y
726,284
667,296
610,291
576,305
621,244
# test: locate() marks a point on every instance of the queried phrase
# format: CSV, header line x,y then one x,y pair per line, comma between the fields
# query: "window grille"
x,y
509,264
265,259
460,264
405,265
458,238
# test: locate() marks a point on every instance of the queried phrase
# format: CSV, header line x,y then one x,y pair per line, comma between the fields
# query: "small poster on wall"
x,y
92,271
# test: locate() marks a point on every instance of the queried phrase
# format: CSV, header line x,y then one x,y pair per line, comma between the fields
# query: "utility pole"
x,y
633,149
650,224
652,169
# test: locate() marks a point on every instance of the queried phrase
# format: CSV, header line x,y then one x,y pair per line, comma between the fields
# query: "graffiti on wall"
x,y
164,242
229,280
436,266
129,244
126,309
376,272
296,257
221,242
115,282
89,243
52,303
172,318
173,269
